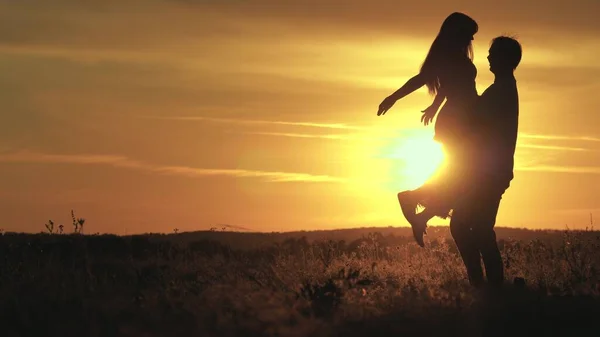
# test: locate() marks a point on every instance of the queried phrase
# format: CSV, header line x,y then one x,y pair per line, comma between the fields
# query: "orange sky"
x,y
144,116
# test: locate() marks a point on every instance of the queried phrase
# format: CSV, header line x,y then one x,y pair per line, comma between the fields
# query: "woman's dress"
x,y
452,130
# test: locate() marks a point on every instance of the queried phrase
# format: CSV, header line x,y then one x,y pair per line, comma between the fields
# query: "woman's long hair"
x,y
457,29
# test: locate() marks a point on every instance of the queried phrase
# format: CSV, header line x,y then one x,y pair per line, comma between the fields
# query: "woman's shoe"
x,y
419,228
408,204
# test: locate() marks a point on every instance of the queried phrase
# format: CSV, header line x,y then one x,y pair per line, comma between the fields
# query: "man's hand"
x,y
387,103
428,115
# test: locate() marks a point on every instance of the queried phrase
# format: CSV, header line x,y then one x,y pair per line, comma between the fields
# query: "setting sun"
x,y
421,157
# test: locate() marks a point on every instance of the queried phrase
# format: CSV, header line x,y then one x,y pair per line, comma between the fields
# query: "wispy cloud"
x,y
387,134
560,169
124,162
558,137
553,147
343,126
311,135
35,157
253,121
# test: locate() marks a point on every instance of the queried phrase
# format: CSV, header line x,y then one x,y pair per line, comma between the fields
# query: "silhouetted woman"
x,y
449,73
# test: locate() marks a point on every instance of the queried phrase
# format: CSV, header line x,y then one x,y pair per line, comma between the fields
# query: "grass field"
x,y
373,282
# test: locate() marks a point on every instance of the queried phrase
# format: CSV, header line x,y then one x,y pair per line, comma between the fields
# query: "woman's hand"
x,y
428,114
385,105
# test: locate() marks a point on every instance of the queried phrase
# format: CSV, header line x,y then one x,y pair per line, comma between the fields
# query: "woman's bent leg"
x,y
408,203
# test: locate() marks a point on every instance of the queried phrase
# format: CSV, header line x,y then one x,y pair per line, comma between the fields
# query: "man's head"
x,y
504,55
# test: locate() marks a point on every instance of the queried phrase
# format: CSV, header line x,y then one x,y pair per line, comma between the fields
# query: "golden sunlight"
x,y
421,156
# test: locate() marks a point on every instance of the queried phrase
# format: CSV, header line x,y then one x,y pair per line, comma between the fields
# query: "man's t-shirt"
x,y
497,122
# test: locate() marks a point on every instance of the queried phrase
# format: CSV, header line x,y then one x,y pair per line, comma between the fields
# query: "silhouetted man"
x,y
494,141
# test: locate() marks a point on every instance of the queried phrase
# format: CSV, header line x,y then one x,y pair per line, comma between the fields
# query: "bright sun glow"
x,y
422,157
394,160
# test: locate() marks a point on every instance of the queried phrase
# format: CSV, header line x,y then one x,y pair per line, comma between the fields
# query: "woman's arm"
x,y
432,110
409,87
437,102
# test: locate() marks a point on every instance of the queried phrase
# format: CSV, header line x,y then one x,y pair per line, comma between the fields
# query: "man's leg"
x,y
484,219
460,228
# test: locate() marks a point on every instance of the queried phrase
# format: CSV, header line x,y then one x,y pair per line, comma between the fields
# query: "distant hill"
x,y
252,240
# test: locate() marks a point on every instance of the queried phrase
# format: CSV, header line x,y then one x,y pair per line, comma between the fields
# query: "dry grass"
x,y
76,285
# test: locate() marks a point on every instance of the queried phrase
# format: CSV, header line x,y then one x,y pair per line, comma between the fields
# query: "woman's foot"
x,y
419,227
408,204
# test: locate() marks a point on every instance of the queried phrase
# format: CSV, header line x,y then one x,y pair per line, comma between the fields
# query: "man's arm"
x,y
502,126
507,117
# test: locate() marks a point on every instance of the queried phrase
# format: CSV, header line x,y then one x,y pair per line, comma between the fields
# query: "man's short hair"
x,y
510,48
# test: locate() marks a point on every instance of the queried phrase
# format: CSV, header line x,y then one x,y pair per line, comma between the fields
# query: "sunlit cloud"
x,y
558,137
560,169
124,162
553,147
363,132
33,157
267,175
252,121
85,55
382,134
344,126
310,135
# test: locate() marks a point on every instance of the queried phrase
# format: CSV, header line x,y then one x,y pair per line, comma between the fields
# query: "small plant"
x,y
50,226
77,223
60,229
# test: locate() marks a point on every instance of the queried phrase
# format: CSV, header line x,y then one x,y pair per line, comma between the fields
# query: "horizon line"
x,y
589,228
